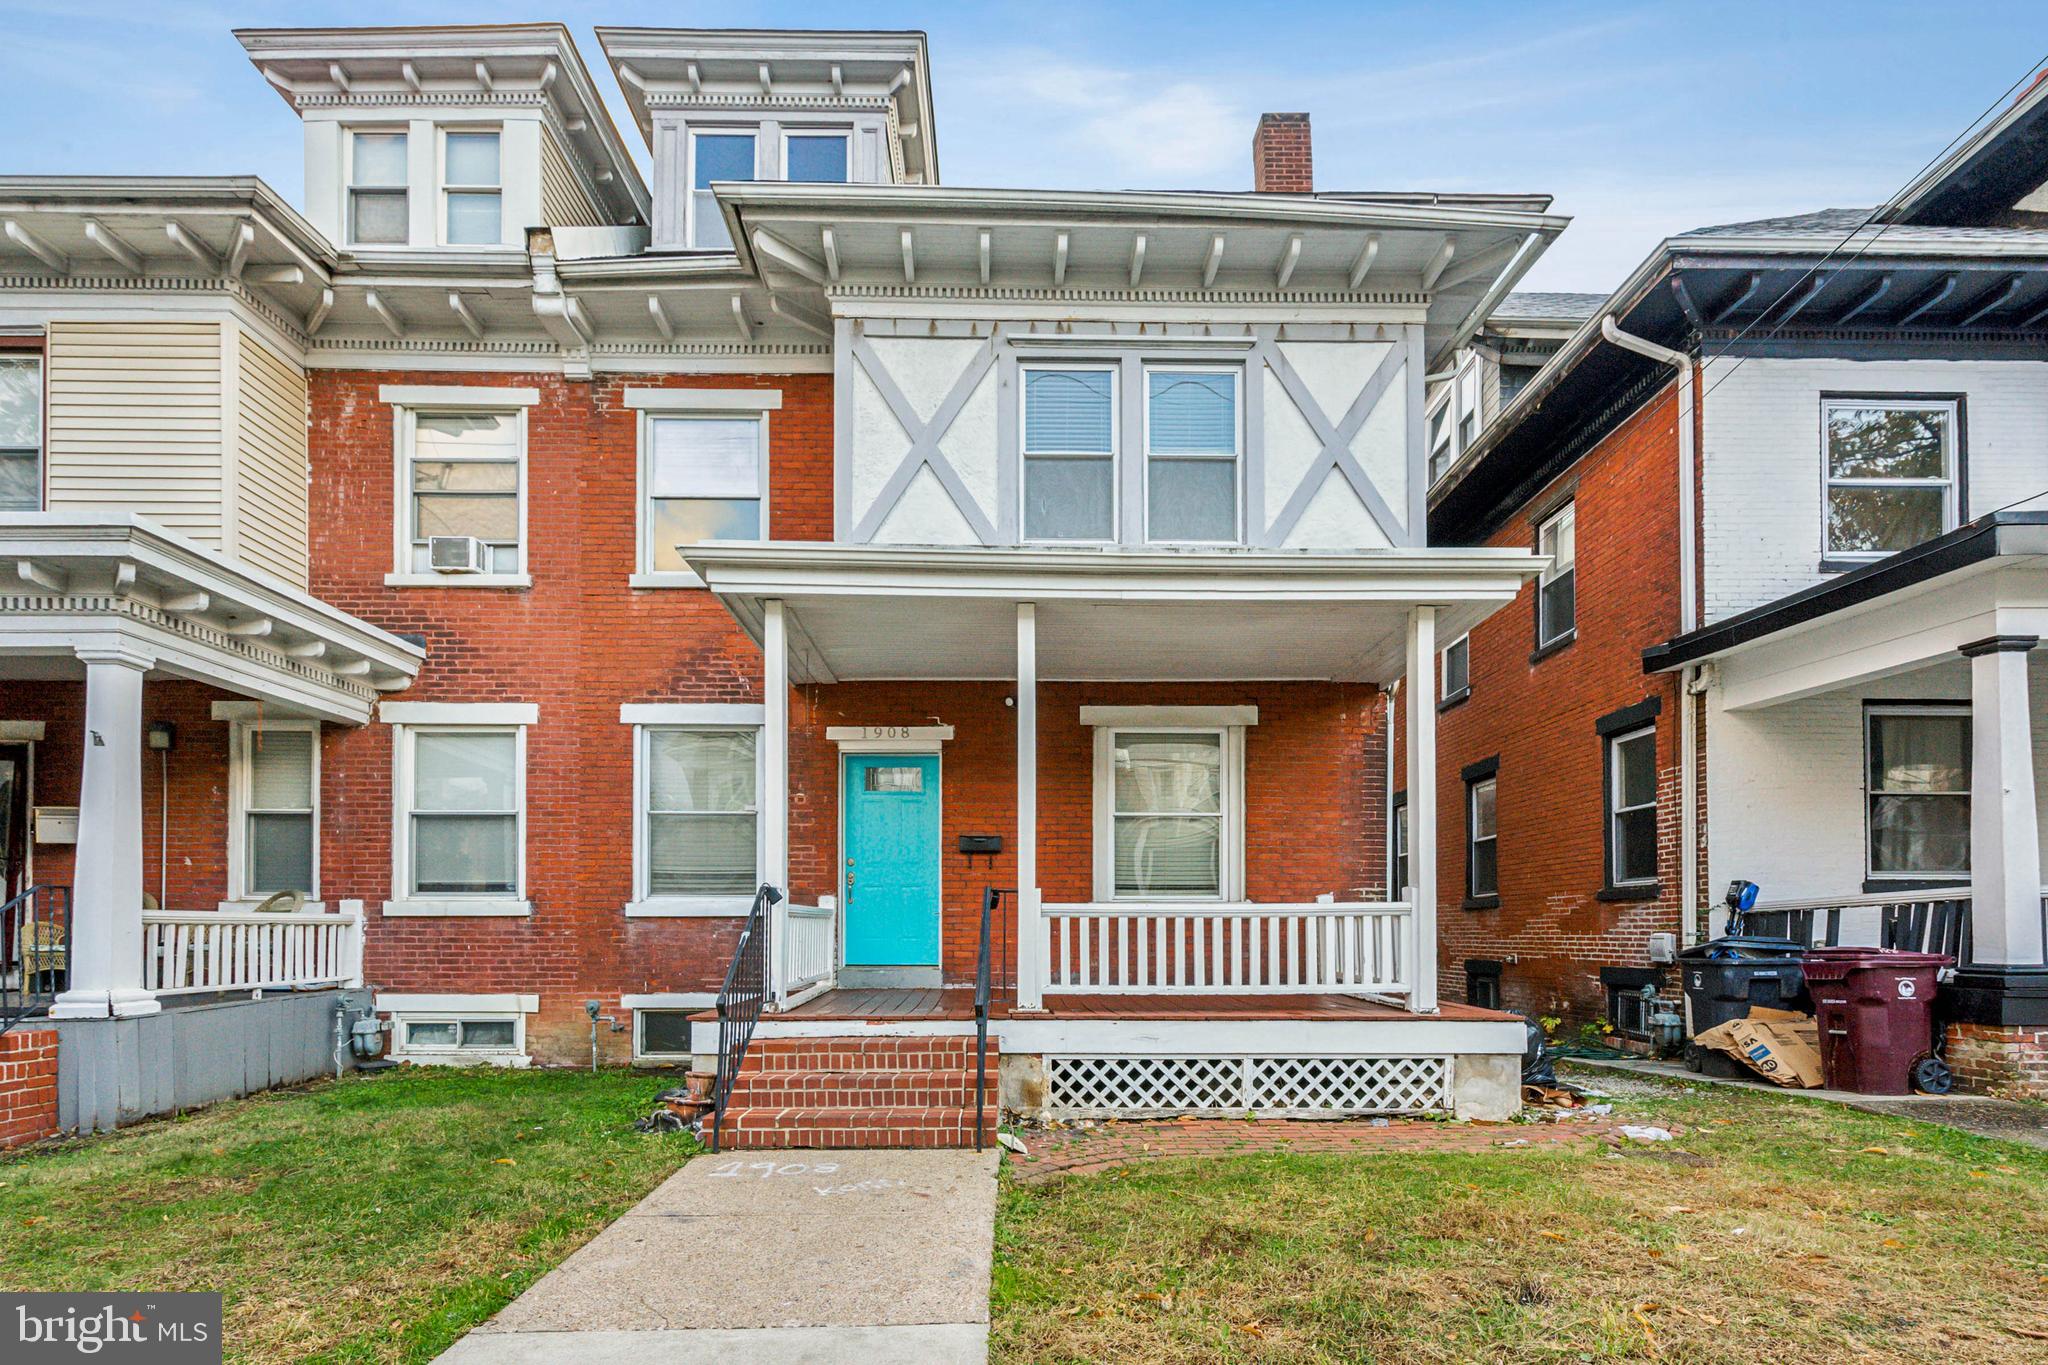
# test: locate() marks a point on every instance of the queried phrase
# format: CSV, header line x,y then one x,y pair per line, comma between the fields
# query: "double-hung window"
x,y
705,477
1192,442
715,156
21,432
1632,809
1399,889
1482,842
814,158
274,799
1918,798
1457,668
1557,604
379,211
702,810
1891,473
460,831
1168,791
471,188
1070,445
465,476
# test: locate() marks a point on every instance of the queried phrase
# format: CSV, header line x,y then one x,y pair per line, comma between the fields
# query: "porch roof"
x,y
109,581
864,612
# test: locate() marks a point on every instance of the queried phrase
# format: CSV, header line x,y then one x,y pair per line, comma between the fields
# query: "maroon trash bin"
x,y
1875,1009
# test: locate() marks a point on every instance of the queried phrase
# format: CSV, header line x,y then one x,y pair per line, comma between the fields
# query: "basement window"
x,y
661,1035
458,1038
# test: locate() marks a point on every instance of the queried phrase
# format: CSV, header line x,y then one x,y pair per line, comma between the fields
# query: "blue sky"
x,y
1642,119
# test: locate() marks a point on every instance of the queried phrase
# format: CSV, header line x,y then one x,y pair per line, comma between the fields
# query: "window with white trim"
x,y
1891,472
472,187
1482,839
21,431
379,208
274,807
464,472
715,155
1458,667
700,814
1632,808
1917,800
661,1035
1398,890
463,813
1193,441
1169,791
1557,606
704,476
1070,442
815,157
475,1038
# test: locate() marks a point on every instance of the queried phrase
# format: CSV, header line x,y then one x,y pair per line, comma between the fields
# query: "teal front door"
x,y
892,860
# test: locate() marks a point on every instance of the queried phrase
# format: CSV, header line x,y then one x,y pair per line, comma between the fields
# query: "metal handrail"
x,y
740,1001
35,938
991,898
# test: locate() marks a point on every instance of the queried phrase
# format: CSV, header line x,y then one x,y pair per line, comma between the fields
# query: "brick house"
x,y
1787,475
515,567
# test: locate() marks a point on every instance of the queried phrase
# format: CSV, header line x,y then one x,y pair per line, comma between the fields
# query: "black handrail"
x,y
991,898
35,946
740,1001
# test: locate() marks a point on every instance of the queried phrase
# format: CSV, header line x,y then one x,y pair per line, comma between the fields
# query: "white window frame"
x,y
640,1013
408,404
349,185
1236,456
1402,873
1870,715
1473,839
409,720
241,760
690,190
842,131
441,1009
647,718
1230,853
1615,810
39,452
447,187
1025,454
1446,691
1949,483
1545,639
655,405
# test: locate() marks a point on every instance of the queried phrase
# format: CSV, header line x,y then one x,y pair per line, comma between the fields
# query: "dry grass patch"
x,y
1773,1229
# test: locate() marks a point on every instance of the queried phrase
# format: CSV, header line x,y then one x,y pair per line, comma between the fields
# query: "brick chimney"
x,y
1281,163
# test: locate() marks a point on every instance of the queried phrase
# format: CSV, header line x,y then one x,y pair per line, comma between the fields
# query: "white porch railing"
x,y
1148,948
187,951
806,947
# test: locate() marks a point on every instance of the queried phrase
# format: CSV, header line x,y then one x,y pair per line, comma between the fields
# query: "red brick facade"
x,y
1999,1059
1552,930
28,1086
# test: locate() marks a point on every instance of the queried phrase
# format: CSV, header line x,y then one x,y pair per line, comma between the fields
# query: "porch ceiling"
x,y
869,612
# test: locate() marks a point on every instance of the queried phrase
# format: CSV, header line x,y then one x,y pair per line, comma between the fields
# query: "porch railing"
x,y
1149,948
185,952
806,948
1930,921
35,937
740,1002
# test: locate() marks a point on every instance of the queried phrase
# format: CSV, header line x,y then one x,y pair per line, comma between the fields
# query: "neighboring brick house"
x,y
1797,458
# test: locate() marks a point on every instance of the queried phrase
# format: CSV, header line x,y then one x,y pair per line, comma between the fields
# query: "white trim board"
x,y
889,738
1208,716
457,1004
459,713
456,396
692,713
670,1000
704,400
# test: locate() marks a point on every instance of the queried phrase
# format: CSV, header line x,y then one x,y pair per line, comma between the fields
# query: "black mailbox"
x,y
986,844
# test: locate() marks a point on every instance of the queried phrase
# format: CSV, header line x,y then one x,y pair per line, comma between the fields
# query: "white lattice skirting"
x,y
1236,1085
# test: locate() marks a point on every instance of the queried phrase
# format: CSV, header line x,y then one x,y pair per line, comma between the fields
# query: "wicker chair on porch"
x,y
44,957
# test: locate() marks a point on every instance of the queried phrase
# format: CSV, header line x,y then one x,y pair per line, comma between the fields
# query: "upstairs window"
x,y
715,157
706,479
464,471
471,188
21,433
814,158
1918,802
379,213
1191,455
1891,474
1557,607
1069,453
1457,668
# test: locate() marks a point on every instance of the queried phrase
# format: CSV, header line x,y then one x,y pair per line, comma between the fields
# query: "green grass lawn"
x,y
371,1219
1773,1229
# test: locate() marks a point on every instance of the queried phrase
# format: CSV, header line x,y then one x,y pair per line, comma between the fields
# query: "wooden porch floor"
x,y
958,1004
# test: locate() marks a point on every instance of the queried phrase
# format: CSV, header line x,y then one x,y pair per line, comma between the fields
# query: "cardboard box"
x,y
1778,1045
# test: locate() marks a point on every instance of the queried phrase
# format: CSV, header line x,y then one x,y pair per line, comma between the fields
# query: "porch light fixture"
x,y
163,735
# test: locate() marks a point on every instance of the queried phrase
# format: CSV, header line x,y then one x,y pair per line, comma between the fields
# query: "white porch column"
x,y
1422,803
775,775
105,948
1030,928
2005,848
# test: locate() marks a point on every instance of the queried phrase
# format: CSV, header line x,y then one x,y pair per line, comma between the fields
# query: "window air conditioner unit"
x,y
457,554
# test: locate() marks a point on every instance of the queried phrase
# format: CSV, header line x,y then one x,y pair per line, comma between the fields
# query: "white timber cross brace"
x,y
924,452
1336,440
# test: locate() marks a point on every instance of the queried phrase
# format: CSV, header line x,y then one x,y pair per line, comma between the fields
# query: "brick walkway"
x,y
1064,1150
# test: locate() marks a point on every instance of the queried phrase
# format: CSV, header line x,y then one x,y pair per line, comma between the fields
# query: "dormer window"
x,y
471,188
815,158
715,157
378,212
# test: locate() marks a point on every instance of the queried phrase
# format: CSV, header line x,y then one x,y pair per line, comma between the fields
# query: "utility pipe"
x,y
1688,619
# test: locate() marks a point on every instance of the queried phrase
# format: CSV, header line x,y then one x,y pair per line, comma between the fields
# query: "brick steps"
x,y
859,1092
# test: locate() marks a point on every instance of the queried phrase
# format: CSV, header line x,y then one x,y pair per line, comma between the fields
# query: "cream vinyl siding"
x,y
135,423
271,462
562,201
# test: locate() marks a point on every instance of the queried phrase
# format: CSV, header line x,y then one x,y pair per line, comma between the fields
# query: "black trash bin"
x,y
1725,977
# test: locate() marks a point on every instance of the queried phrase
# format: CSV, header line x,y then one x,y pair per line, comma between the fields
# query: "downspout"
x,y
1688,619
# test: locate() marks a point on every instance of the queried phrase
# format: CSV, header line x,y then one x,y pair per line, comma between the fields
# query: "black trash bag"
x,y
661,1121
1538,1066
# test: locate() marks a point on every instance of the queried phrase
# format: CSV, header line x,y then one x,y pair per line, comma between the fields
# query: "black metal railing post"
x,y
991,899
35,952
740,1002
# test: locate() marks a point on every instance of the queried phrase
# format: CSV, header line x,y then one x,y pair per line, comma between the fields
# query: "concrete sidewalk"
x,y
781,1258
